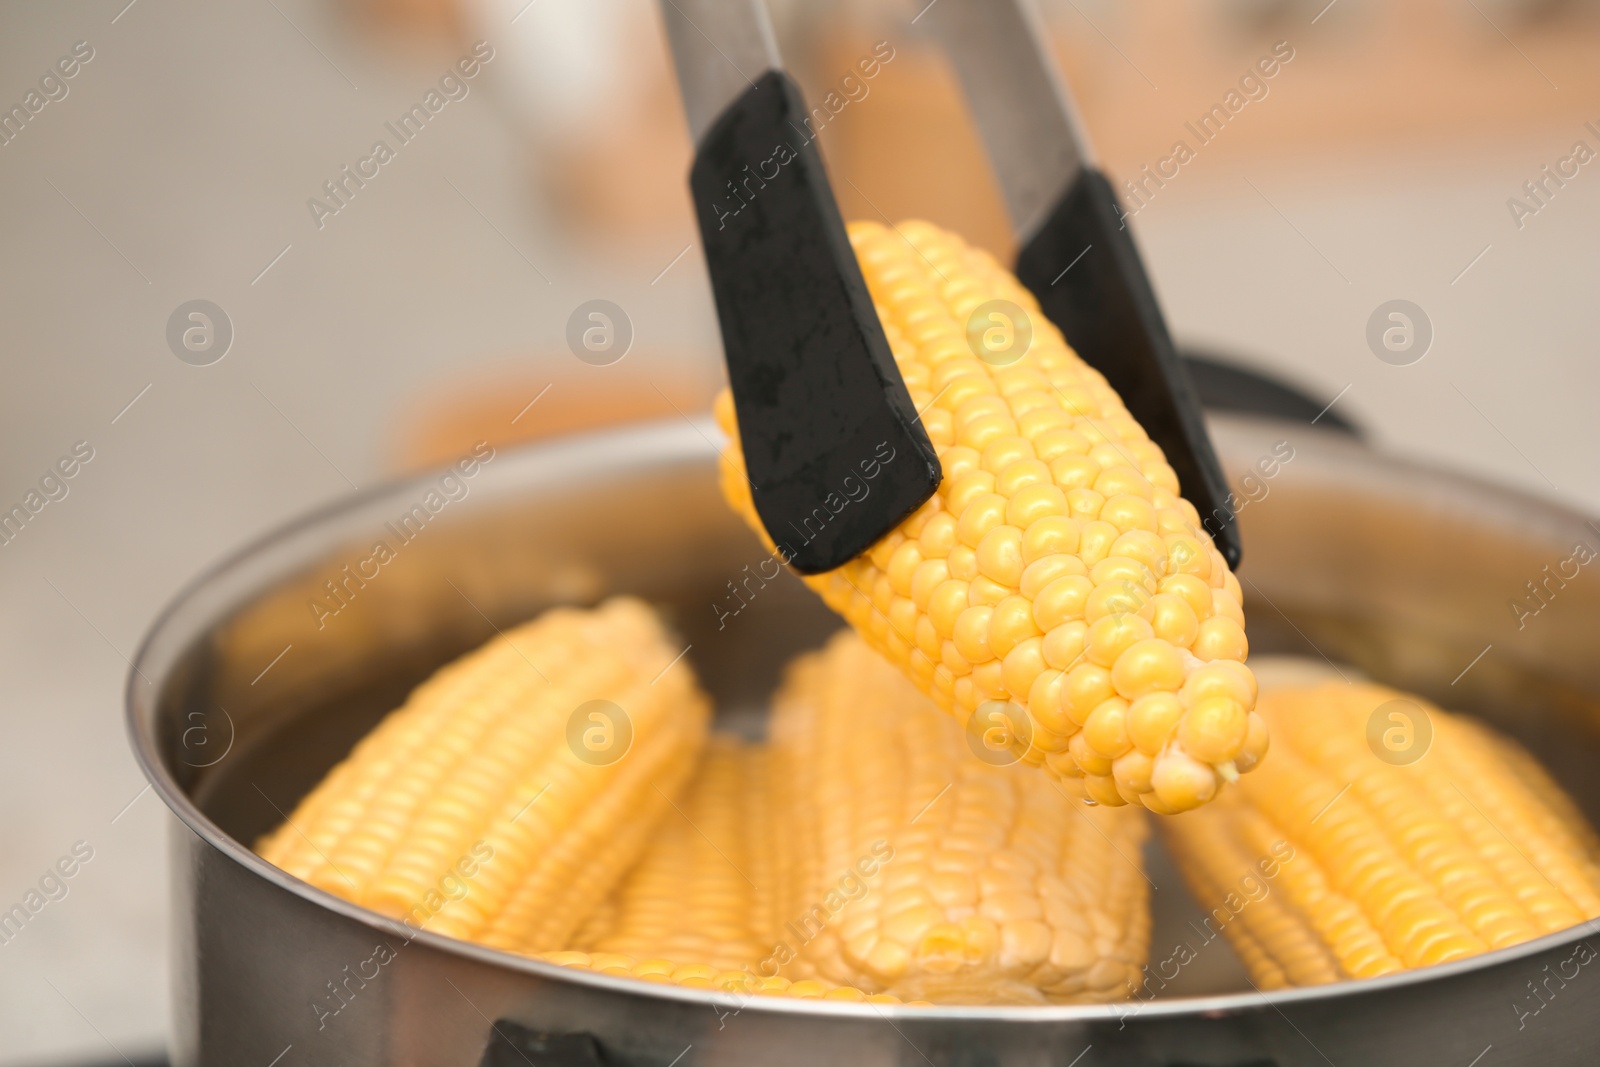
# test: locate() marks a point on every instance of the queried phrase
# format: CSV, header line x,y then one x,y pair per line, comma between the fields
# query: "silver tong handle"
x,y
720,48
1019,102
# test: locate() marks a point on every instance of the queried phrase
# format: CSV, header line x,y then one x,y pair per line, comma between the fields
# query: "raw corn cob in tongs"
x,y
1056,582
1374,856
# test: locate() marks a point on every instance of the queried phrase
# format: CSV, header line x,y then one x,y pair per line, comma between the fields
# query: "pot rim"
x,y
670,441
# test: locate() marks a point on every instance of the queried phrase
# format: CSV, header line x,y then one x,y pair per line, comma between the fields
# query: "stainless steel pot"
x,y
246,692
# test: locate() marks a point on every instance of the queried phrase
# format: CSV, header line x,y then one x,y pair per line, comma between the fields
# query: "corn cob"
x,y
737,982
903,865
1056,572
469,811
702,890
1330,863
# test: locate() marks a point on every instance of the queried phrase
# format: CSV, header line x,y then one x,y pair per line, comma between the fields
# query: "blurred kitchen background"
x,y
432,309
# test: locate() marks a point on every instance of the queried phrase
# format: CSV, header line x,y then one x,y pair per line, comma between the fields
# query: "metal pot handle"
x,y
514,1045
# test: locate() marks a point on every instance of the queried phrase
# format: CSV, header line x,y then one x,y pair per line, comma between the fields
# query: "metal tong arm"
x,y
721,49
1022,108
815,387
1076,254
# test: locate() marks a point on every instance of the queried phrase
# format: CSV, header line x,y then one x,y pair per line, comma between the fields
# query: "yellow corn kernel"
x,y
1334,861
1056,514
478,809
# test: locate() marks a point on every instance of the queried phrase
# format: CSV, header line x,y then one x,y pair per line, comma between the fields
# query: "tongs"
x,y
815,388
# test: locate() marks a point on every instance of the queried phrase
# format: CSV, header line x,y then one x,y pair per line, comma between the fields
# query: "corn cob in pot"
x,y
488,806
1376,860
866,848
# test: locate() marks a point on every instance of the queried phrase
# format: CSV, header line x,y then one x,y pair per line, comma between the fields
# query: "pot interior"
x,y
267,672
